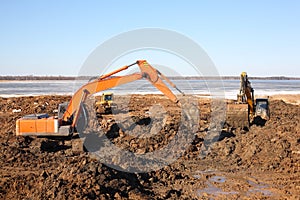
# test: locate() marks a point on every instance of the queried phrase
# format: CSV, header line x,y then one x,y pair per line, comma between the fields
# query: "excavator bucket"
x,y
237,116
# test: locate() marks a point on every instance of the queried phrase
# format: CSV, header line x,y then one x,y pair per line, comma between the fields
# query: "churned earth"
x,y
262,163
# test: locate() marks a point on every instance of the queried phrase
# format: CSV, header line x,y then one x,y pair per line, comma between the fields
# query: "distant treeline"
x,y
234,78
25,78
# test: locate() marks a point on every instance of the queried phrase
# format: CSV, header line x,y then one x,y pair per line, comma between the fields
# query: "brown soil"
x,y
263,163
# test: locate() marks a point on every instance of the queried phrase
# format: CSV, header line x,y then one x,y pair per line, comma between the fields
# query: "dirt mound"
x,y
260,163
272,147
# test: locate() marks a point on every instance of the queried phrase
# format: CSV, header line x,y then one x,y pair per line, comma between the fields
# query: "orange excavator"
x,y
72,116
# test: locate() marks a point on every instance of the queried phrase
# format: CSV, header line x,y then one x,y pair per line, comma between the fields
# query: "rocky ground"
x,y
262,163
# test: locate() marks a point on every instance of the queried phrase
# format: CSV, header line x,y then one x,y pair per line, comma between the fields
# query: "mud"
x,y
262,163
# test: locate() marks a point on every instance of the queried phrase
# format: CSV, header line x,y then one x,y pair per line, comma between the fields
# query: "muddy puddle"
x,y
218,185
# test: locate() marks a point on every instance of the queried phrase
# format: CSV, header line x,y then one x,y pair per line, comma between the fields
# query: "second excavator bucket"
x,y
237,116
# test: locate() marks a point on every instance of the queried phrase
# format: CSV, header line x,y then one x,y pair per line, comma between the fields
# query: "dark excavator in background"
x,y
246,110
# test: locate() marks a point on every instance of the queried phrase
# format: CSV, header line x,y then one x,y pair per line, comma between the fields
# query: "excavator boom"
x,y
104,83
72,113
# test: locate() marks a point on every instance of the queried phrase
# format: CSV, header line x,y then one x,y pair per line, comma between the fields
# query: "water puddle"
x,y
217,178
259,188
213,190
198,173
196,176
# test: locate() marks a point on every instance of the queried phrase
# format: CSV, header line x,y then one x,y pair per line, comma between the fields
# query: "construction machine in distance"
x,y
72,116
246,110
105,103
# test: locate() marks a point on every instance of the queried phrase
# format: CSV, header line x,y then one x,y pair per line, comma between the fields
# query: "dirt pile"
x,y
260,163
273,147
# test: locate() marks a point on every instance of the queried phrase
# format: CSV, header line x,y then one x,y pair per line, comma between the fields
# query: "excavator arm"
x,y
246,93
239,113
107,81
43,125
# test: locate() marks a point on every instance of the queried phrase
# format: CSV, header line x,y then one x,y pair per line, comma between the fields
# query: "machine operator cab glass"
x,y
262,108
108,97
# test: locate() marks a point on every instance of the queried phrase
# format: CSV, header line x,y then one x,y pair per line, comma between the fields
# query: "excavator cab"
x,y
104,103
262,108
108,96
62,107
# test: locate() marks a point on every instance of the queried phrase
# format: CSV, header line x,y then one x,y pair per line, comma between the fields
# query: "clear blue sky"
x,y
55,37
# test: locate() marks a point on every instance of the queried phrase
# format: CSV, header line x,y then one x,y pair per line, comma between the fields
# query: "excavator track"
x,y
237,116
